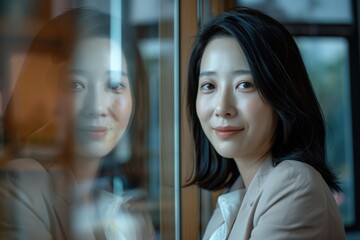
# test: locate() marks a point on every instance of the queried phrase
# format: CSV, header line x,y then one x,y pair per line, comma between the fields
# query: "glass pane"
x,y
327,62
305,11
57,86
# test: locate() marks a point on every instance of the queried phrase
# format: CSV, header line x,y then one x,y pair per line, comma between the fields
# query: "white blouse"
x,y
227,209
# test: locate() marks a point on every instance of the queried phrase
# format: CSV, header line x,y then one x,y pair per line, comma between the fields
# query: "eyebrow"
x,y
79,72
86,73
236,72
117,73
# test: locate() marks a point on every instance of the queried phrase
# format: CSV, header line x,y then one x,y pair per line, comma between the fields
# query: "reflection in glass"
x,y
134,195
327,63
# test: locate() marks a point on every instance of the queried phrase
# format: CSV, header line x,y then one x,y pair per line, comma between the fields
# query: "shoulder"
x,y
25,182
23,168
24,174
295,187
295,174
23,164
295,203
26,188
295,197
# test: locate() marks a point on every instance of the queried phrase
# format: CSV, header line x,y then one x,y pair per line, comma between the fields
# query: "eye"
x,y
245,85
116,85
74,86
207,87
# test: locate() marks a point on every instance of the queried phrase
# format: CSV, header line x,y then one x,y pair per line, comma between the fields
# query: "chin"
x,y
93,151
91,155
226,152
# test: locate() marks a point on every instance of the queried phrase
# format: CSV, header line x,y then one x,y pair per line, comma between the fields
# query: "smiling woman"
x,y
101,95
234,117
259,133
59,175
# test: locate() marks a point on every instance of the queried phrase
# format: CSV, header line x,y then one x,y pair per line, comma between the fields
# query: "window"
x,y
154,24
327,62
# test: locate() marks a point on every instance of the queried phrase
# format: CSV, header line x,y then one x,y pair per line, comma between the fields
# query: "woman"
x,y
259,133
76,97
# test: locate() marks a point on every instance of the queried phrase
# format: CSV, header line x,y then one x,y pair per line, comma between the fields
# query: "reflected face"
x,y
101,96
236,120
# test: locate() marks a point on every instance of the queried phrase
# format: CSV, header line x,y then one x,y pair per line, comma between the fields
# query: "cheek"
x,y
202,108
254,108
121,109
78,101
70,106
260,114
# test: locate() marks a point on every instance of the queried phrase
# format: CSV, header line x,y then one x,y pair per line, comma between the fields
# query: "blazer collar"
x,y
257,183
236,198
64,182
247,206
228,204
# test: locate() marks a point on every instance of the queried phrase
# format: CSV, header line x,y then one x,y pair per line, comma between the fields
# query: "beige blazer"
x,y
30,207
35,203
289,201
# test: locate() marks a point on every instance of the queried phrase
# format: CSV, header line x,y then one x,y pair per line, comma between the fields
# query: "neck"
x,y
85,171
248,167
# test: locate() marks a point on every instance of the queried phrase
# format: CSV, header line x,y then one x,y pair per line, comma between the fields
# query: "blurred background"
x,y
327,32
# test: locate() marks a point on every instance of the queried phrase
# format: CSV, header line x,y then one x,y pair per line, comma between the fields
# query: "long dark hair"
x,y
280,76
34,101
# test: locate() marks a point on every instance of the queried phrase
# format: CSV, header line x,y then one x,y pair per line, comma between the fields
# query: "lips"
x,y
227,131
96,132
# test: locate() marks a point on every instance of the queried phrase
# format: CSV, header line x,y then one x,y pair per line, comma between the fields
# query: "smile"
x,y
226,132
96,132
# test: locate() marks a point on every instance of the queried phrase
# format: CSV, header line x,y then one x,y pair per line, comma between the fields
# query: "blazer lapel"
x,y
243,224
61,204
227,206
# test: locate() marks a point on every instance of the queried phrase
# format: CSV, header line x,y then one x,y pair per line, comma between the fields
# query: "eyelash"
x,y
205,86
118,86
209,86
242,83
75,86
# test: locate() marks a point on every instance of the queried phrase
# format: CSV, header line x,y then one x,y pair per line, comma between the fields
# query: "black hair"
x,y
282,81
55,43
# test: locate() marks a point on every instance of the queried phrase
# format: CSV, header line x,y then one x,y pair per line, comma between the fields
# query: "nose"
x,y
225,106
97,103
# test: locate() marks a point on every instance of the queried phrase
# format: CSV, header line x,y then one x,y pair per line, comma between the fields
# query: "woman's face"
x,y
236,120
101,97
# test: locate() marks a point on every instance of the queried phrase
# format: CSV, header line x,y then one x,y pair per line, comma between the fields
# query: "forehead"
x,y
98,51
223,52
96,45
